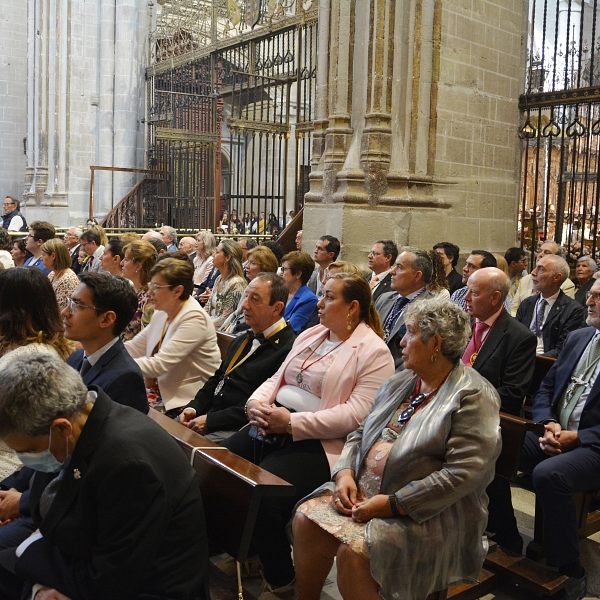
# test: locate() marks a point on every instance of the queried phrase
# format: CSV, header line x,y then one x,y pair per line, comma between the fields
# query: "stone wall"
x,y
416,130
13,95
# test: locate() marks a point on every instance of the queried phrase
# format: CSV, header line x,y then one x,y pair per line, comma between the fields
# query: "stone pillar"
x,y
416,124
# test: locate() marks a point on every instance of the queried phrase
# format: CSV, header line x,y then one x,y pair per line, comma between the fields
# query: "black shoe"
x,y
575,589
513,544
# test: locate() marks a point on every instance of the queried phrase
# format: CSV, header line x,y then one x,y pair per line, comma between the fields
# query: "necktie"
x,y
540,309
49,493
85,367
374,281
400,303
578,385
475,343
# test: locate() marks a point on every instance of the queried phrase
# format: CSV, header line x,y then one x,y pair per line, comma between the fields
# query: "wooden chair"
x,y
223,341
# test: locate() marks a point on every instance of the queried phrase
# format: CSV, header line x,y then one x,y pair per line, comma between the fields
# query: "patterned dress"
x,y
222,302
142,316
64,286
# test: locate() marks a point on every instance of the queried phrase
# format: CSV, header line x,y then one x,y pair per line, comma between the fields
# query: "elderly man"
x,y
217,411
501,349
478,259
551,315
12,219
90,242
327,249
381,258
526,285
151,234
188,245
72,240
123,518
299,241
584,277
169,237
566,460
409,276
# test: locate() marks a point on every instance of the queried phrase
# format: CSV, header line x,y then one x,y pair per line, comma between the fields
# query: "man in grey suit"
x,y
410,275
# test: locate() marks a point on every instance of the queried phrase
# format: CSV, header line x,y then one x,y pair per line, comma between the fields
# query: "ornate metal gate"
x,y
561,126
237,103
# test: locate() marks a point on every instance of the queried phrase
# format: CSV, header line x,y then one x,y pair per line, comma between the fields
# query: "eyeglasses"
x,y
375,253
595,296
74,305
406,414
284,269
8,204
152,287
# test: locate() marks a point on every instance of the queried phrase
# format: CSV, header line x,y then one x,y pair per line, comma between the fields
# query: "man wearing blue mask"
x,y
122,519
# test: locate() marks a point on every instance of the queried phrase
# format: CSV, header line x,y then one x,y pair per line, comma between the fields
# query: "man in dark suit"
x,y
550,314
566,460
501,349
122,519
411,272
73,244
99,310
217,411
381,258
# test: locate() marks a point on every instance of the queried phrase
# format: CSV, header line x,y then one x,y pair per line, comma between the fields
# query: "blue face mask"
x,y
42,461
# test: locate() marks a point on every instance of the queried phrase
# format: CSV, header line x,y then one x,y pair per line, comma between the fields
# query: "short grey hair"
x,y
76,232
421,261
559,265
439,316
35,390
588,259
171,231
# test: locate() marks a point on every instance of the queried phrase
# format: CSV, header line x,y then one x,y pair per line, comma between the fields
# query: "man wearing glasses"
x,y
12,219
566,459
381,258
39,232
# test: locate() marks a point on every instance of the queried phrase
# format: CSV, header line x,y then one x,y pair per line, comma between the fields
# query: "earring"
x,y
349,326
434,358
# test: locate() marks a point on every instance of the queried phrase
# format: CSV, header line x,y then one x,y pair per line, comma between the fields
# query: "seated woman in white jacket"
x,y
178,351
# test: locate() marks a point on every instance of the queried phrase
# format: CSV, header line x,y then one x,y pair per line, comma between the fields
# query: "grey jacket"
x,y
439,468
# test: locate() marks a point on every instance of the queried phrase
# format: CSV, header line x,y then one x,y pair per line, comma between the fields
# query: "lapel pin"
x,y
76,474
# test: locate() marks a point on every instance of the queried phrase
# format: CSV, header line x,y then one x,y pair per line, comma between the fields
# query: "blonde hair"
x,y
142,253
346,267
62,258
265,258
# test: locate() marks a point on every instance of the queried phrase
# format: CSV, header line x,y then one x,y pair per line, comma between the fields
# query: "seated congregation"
x,y
377,396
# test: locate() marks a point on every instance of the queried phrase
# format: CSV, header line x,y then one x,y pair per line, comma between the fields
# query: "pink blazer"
x,y
363,363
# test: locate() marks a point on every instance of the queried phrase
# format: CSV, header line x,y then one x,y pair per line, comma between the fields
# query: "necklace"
x,y
418,401
299,377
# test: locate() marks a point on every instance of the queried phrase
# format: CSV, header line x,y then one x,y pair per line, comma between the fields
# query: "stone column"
x,y
421,109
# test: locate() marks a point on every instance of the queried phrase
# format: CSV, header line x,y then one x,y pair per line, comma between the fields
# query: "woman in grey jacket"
x,y
407,509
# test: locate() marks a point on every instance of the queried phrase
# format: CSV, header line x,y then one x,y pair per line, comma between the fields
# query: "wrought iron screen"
x,y
561,127
220,124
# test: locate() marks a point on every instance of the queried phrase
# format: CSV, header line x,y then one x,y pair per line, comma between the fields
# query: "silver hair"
x,y
36,389
421,261
439,316
210,242
171,231
76,232
593,264
559,265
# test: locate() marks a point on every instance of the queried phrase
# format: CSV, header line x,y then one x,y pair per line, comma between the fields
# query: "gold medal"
x,y
473,357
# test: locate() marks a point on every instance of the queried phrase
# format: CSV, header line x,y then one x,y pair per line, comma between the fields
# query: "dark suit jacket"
x,y
506,359
383,286
565,316
117,374
583,290
300,308
384,305
127,520
454,281
545,402
75,266
225,411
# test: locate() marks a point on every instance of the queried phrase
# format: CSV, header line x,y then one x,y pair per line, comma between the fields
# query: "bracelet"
x,y
394,505
288,428
246,409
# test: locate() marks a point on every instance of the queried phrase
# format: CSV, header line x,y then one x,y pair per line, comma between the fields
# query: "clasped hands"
x,y
9,505
347,501
557,440
197,424
267,418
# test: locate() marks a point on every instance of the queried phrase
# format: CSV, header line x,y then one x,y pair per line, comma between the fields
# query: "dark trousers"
x,y
555,480
303,464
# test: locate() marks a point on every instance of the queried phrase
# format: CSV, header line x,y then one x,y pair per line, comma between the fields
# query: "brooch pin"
x,y
76,474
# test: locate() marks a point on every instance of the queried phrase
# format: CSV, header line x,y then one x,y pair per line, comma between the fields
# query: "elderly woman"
x,y
322,392
19,252
139,257
296,269
229,285
178,351
406,512
260,260
57,260
584,277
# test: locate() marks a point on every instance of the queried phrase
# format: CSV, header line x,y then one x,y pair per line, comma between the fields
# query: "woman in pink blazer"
x,y
300,417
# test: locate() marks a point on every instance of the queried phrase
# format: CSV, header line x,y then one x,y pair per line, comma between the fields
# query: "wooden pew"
x,y
231,487
223,341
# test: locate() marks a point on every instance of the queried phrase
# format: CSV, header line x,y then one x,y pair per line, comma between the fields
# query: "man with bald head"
x,y
501,349
151,235
526,286
188,245
551,315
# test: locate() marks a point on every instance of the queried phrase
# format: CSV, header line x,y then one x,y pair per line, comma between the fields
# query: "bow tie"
x,y
256,336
